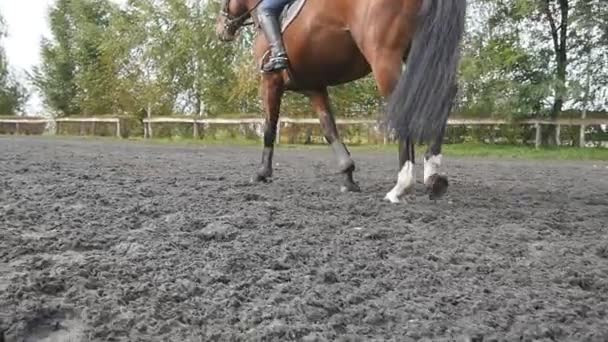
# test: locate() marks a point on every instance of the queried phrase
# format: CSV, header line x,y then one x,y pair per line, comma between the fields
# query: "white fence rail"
x,y
196,122
18,124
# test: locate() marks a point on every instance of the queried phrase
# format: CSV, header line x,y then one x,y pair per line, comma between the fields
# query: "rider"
x,y
268,16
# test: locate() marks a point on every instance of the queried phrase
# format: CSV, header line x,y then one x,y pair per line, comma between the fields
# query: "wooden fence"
x,y
18,124
33,126
116,122
285,122
40,125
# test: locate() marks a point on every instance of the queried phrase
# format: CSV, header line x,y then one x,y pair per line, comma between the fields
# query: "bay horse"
x,y
333,42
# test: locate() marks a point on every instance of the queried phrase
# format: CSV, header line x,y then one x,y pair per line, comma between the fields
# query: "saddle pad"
x,y
290,13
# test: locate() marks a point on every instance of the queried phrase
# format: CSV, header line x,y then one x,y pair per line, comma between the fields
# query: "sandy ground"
x,y
110,241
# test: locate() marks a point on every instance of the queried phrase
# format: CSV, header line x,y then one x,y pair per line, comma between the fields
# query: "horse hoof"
x,y
263,175
390,197
260,179
437,186
350,187
407,197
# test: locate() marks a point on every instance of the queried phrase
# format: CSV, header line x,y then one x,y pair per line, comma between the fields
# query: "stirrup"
x,y
277,63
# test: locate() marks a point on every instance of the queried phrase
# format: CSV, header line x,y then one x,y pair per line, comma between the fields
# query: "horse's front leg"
x,y
272,92
320,103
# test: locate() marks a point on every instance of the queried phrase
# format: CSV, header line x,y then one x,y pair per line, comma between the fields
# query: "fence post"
x,y
384,135
538,135
278,140
583,128
195,129
118,135
558,135
17,128
149,115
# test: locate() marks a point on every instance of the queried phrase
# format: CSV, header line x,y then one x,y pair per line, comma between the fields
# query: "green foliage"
x,y
501,79
77,75
185,62
525,152
13,95
162,57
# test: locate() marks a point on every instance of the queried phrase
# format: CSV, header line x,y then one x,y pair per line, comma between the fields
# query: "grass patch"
x,y
221,141
456,150
509,151
526,152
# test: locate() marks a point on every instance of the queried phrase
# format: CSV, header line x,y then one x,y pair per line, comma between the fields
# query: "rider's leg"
x,y
268,16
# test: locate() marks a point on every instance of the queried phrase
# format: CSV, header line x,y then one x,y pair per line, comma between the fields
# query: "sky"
x,y
27,23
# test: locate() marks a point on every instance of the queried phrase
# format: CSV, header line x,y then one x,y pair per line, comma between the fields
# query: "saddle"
x,y
290,13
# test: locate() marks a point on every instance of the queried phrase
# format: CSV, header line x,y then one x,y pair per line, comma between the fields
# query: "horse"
x,y
339,41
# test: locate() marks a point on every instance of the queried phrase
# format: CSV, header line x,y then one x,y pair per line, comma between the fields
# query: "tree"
x,y
559,29
181,54
13,95
55,78
588,86
534,57
163,57
500,76
80,68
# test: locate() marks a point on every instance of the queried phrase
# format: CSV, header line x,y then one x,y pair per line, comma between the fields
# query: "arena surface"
x,y
111,241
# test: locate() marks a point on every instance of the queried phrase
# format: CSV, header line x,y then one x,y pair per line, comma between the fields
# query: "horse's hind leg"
x,y
320,103
436,184
387,69
272,91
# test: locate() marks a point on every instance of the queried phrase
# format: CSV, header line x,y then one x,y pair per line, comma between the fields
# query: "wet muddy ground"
x,y
111,241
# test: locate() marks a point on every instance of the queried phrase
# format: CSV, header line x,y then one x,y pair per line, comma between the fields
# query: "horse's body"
x,y
355,36
339,41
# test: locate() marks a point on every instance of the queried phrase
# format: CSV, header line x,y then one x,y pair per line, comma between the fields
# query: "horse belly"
x,y
324,56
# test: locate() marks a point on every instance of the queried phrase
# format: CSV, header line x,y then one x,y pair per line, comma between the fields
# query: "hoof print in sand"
x,y
218,232
158,244
54,325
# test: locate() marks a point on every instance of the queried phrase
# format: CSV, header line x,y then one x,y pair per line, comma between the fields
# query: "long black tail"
x,y
422,101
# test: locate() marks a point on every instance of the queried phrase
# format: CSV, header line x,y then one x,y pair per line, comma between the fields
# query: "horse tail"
x,y
421,102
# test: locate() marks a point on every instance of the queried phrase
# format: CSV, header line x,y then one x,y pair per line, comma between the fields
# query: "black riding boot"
x,y
272,29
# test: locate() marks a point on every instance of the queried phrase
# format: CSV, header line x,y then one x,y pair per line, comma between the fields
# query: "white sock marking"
x,y
431,166
405,181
